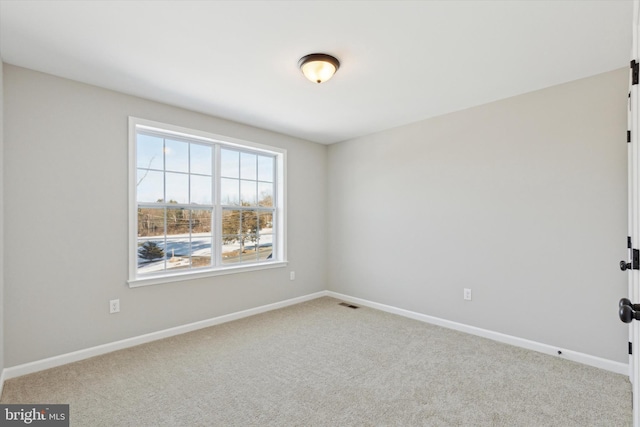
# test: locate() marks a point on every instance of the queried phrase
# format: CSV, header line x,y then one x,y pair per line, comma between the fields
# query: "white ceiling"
x,y
401,61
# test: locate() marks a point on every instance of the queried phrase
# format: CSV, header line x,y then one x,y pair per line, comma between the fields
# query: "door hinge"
x,y
634,262
628,136
630,348
634,72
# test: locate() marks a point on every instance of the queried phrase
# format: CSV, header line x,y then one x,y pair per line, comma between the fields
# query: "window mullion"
x,y
164,210
189,211
275,219
164,199
216,227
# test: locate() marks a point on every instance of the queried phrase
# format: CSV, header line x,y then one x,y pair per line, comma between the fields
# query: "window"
x,y
202,204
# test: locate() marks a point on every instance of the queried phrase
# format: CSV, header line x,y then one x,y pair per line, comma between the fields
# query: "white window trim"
x,y
169,277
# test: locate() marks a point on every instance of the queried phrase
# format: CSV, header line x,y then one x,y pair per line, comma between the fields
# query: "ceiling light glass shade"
x,y
318,67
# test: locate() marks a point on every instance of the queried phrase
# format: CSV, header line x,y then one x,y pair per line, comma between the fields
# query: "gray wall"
x,y
2,323
521,200
66,216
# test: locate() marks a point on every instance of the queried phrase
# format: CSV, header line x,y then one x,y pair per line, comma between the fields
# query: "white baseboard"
x,y
63,359
586,359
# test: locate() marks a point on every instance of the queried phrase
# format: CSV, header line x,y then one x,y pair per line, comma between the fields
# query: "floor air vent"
x,y
344,304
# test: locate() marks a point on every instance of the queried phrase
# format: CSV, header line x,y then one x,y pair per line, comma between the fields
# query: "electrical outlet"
x,y
467,294
114,306
292,275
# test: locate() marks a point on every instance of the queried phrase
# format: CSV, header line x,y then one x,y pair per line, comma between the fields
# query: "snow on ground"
x,y
177,249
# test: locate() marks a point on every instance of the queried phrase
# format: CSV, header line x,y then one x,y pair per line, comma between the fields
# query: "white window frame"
x,y
280,247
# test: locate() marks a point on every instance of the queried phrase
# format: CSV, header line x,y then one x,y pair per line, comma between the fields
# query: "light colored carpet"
x,y
322,364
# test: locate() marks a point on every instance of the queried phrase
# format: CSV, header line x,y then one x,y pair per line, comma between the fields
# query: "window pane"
x,y
176,156
265,194
151,255
248,191
231,249
201,222
229,191
150,186
250,249
265,223
248,166
249,236
265,247
200,252
149,152
229,163
178,253
230,222
230,238
236,249
177,187
265,168
265,233
200,190
178,223
201,159
249,220
150,222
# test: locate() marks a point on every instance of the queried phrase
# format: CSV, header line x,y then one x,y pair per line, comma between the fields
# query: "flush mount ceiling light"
x,y
318,67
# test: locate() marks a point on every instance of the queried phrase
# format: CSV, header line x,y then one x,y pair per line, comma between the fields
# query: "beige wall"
x,y
521,200
66,221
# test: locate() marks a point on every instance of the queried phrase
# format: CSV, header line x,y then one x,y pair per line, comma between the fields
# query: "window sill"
x,y
179,277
